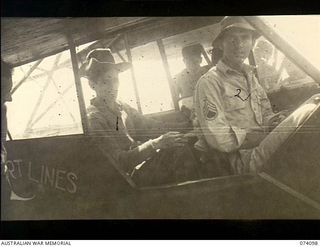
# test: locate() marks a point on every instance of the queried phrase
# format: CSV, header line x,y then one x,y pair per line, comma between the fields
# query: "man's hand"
x,y
170,139
277,119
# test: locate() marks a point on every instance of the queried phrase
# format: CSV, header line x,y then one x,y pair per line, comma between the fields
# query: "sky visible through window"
x,y
46,103
302,32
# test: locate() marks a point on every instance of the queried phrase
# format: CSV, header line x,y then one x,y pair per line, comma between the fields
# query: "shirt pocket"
x,y
233,102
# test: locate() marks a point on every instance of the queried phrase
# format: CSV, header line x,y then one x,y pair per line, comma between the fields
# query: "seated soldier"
x,y
186,80
232,109
267,73
161,159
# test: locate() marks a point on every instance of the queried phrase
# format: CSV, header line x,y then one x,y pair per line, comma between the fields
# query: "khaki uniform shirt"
x,y
125,132
227,103
123,129
185,81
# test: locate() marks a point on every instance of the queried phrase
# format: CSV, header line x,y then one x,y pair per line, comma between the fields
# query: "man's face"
x,y
192,61
263,54
236,45
108,84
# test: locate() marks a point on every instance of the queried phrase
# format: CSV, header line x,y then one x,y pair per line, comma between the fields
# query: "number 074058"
x,y
308,242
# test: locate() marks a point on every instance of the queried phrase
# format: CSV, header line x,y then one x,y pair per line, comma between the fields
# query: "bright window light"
x,y
46,103
302,32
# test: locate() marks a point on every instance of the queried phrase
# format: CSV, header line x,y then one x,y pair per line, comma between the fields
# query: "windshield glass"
x,y
302,32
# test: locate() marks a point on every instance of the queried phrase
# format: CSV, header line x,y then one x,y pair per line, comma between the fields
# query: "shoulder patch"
x,y
210,110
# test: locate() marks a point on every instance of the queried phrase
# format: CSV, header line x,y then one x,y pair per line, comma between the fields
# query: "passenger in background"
x,y
140,147
184,84
267,73
186,80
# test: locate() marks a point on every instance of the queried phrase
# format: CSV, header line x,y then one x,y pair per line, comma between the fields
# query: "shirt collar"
x,y
224,68
101,104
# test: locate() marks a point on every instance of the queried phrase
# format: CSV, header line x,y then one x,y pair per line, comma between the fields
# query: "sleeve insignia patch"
x,y
209,110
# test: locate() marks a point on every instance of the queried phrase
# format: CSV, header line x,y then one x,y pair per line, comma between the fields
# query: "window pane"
x,y
46,103
302,32
152,82
275,69
126,90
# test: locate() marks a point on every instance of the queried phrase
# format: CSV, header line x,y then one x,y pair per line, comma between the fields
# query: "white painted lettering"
x,y
10,166
49,177
29,173
58,178
71,178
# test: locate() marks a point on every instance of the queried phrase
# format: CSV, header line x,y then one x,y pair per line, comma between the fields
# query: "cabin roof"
x,y
24,40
